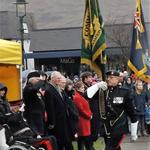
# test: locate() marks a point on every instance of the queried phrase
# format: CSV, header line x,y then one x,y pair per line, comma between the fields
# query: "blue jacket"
x,y
139,101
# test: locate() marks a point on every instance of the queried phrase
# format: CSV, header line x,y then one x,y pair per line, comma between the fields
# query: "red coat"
x,y
84,124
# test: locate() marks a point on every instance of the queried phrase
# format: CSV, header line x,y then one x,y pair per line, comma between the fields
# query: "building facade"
x,y
54,37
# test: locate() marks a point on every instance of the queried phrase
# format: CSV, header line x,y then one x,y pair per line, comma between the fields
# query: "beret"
x,y
33,74
113,73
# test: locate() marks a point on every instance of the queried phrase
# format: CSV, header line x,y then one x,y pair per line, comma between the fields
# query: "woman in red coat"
x,y
85,116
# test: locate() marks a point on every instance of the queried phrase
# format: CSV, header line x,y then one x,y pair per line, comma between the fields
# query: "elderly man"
x,y
114,109
56,112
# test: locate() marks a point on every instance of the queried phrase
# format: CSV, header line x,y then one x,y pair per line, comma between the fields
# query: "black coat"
x,y
118,105
6,115
56,114
4,109
34,108
72,114
4,106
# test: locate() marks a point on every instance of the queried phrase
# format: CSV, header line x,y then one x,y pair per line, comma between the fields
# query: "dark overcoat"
x,y
56,115
34,108
72,114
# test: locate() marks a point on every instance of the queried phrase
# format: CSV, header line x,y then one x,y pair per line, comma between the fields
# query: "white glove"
x,y
102,85
134,131
94,88
38,137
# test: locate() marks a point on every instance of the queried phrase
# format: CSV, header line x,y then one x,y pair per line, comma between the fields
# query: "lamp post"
x,y
21,13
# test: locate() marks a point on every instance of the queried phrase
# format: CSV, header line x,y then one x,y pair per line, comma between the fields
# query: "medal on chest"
x,y
118,100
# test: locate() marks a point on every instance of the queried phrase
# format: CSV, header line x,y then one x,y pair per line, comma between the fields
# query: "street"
x,y
143,143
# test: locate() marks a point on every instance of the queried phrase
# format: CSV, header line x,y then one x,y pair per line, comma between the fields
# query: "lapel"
x,y
56,92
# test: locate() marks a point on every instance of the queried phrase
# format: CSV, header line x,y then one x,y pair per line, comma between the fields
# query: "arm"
x,y
94,88
81,109
2,118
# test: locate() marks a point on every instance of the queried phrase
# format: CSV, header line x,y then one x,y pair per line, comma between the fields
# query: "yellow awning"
x,y
10,77
10,52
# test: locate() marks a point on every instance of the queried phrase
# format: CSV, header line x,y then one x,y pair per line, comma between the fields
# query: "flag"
x,y
139,61
93,38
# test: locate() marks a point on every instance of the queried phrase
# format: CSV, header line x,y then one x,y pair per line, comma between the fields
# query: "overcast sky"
x,y
69,13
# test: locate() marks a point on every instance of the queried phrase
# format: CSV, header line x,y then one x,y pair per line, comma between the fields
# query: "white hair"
x,y
55,73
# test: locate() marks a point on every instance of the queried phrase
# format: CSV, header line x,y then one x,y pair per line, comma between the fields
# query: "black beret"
x,y
33,74
113,73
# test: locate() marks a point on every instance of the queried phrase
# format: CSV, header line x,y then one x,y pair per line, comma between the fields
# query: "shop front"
x,y
65,61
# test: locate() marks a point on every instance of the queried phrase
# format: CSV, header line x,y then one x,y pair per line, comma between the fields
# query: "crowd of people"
x,y
84,108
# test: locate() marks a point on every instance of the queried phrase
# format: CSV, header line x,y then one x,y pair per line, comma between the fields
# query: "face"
x,y
139,86
89,80
81,89
121,78
70,87
2,92
62,83
56,78
113,80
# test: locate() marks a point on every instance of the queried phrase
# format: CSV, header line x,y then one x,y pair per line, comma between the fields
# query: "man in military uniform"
x,y
115,106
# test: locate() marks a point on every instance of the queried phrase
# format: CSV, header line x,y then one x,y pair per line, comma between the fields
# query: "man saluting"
x,y
114,109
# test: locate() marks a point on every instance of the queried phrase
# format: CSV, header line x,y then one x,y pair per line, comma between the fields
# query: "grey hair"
x,y
55,73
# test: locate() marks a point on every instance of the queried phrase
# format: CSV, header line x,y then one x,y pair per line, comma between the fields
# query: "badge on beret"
x,y
113,72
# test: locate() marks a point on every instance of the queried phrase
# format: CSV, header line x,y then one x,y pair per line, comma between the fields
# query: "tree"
x,y
119,37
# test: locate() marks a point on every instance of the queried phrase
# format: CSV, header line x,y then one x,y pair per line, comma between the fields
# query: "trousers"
x,y
113,143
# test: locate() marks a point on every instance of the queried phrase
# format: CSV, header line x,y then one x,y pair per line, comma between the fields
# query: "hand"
x,y
42,92
76,135
39,137
102,85
134,137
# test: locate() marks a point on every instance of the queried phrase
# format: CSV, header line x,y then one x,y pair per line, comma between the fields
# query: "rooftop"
x,y
69,13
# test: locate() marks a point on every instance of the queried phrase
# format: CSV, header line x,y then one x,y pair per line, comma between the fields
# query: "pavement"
x,y
142,143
